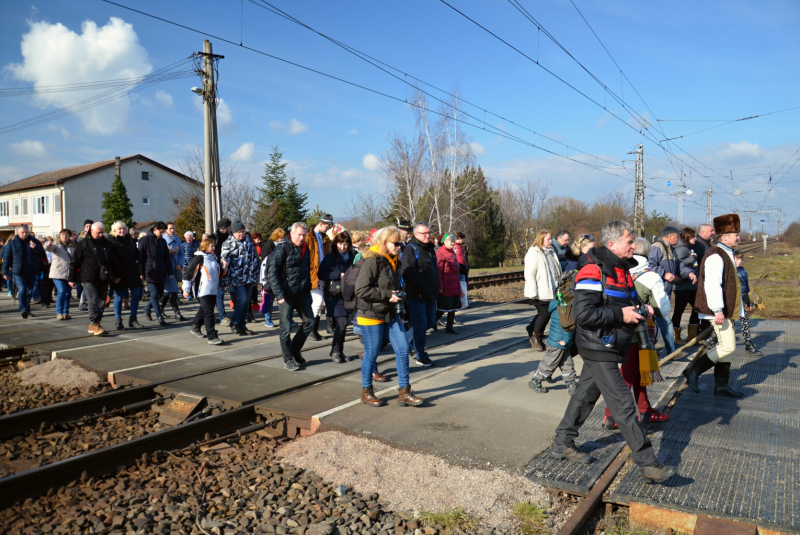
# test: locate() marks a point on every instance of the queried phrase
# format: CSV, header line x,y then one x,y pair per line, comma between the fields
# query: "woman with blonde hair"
x,y
580,244
275,239
380,310
542,273
62,251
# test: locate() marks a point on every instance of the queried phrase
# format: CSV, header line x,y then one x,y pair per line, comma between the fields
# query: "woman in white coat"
x,y
62,251
542,273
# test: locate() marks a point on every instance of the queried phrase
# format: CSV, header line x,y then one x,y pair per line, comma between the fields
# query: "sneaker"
x,y
570,453
197,332
214,341
656,472
96,329
609,423
424,361
161,322
268,324
653,417
291,365
536,385
225,321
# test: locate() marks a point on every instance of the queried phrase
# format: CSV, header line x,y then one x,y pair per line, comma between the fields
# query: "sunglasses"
x,y
398,244
588,237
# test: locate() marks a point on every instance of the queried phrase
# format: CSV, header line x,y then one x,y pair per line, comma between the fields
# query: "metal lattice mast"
x,y
638,208
708,208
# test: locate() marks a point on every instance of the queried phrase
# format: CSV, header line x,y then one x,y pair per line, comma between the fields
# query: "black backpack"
x,y
349,285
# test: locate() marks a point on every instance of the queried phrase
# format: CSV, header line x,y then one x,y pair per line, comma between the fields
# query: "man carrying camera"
x,y
91,266
607,310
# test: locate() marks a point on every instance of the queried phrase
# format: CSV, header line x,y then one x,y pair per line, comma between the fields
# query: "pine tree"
x,y
488,246
117,205
294,202
274,178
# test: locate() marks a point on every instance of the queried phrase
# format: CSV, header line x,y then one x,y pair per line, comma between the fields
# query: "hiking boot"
x,y
406,398
695,369
368,398
133,324
572,387
536,342
214,341
197,332
120,326
96,330
571,453
536,385
722,375
609,423
653,417
291,365
338,358
378,378
656,472
749,347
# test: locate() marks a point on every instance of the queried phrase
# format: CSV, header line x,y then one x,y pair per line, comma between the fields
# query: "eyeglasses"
x,y
398,244
423,233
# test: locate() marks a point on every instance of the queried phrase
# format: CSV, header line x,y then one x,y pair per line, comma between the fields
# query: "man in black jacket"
x,y
421,285
290,278
22,260
92,266
605,308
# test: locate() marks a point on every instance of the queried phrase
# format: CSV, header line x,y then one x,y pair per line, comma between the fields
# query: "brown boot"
x,y
692,331
378,378
407,398
368,397
96,330
536,342
678,340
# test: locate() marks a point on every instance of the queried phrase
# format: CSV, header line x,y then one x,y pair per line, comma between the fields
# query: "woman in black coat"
x,y
275,239
155,267
126,256
332,271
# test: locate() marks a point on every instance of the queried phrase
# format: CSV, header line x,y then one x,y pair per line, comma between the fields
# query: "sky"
x,y
643,73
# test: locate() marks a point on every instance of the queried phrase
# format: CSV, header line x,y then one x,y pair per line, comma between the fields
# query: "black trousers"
x,y
292,346
339,331
539,323
683,298
605,378
205,315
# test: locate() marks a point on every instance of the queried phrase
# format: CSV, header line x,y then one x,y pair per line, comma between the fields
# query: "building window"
x,y
4,209
24,206
41,205
146,201
56,203
145,175
16,207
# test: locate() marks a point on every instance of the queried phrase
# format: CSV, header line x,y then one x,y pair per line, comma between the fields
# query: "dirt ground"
x,y
775,278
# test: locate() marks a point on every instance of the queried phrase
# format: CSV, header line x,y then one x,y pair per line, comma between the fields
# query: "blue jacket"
x,y
662,263
188,250
330,272
557,334
744,281
20,259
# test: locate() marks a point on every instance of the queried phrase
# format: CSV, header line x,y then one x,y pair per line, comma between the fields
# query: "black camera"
x,y
399,307
641,327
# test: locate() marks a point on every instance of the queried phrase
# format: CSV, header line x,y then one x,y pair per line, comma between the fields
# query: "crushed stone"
x,y
59,373
412,481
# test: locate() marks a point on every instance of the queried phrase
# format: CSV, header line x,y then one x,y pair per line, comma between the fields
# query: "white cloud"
x,y
477,148
225,120
244,153
740,153
353,132
53,54
164,98
29,148
371,162
294,126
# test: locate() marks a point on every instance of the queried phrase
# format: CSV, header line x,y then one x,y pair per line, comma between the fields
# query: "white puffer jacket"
x,y
542,273
62,255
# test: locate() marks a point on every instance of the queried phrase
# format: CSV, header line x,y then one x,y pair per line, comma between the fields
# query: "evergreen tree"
x,y
294,202
488,245
192,216
281,202
274,178
117,205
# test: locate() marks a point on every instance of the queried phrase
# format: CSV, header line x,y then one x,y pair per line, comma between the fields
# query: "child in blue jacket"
x,y
749,347
556,355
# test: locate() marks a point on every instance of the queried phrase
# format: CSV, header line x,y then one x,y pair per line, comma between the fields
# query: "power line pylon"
x,y
638,208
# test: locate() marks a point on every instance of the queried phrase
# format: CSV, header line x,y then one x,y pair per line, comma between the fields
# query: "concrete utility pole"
x,y
213,195
638,208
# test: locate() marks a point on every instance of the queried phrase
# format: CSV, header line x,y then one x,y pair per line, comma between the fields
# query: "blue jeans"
x,y
221,302
156,293
62,298
35,291
119,295
241,302
667,332
423,317
24,289
373,340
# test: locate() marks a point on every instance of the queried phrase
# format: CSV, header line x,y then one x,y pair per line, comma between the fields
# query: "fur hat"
x,y
727,223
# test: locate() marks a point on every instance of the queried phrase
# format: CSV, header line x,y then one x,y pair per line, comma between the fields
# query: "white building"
x,y
67,197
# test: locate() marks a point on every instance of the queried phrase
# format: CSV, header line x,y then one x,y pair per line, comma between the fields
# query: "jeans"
x,y
156,293
205,315
423,317
373,340
24,289
667,333
604,378
302,303
35,295
119,295
62,299
95,300
221,302
241,301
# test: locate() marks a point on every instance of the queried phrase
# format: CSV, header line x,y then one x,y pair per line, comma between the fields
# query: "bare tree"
x,y
523,205
402,166
368,210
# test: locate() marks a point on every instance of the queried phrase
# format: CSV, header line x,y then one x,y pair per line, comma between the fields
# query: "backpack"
x,y
566,287
349,285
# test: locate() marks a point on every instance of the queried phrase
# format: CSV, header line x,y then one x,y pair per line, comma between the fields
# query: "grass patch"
x,y
488,271
530,518
774,278
449,521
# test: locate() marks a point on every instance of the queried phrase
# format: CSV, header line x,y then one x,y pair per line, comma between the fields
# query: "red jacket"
x,y
447,263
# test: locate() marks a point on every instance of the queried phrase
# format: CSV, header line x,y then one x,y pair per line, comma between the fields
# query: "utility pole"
x,y
213,195
709,207
638,208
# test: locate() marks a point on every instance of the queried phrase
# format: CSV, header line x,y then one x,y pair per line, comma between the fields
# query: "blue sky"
x,y
688,60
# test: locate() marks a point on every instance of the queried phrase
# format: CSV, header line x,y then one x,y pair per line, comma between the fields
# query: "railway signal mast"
x,y
638,208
